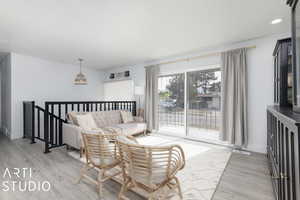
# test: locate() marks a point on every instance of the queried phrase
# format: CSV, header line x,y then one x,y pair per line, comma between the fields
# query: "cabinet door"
x,y
289,165
285,164
277,77
283,74
283,154
296,164
275,80
272,153
280,169
278,74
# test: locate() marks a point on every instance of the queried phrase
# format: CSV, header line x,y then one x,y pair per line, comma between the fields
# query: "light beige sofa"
x,y
106,121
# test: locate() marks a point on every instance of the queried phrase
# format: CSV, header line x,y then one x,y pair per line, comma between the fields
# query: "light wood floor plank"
x,y
245,177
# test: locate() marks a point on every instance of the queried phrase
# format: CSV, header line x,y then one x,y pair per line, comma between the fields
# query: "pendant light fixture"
x,y
80,78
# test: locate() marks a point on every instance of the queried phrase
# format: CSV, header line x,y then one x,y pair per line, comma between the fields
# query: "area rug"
x,y
205,164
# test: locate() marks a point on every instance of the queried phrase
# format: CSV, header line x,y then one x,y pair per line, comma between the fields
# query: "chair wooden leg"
x,y
123,189
82,173
178,187
81,151
121,194
100,183
152,196
164,194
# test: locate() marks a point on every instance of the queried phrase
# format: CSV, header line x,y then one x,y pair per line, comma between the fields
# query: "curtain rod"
x,y
197,57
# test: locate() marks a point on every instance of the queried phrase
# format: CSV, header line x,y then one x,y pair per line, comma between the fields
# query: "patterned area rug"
x,y
205,164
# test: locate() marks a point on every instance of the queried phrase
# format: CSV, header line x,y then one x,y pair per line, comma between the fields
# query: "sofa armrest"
x,y
138,119
72,135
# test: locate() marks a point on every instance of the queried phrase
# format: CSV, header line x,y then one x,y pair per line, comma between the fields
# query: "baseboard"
x,y
248,150
241,151
4,131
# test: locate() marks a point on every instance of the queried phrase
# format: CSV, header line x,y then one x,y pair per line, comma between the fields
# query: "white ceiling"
x,y
110,33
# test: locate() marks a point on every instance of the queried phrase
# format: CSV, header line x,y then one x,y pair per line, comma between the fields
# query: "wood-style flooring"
x,y
245,178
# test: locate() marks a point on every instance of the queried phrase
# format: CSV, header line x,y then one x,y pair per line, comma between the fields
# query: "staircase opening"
x,y
46,124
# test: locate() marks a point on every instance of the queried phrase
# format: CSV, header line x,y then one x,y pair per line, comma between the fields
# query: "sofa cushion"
x,y
72,117
138,119
104,161
125,140
112,130
99,118
86,122
113,117
107,118
126,116
130,128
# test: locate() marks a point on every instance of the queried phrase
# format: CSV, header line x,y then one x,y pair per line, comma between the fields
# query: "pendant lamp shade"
x,y
80,78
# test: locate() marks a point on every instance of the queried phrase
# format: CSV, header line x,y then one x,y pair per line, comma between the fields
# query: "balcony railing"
x,y
197,118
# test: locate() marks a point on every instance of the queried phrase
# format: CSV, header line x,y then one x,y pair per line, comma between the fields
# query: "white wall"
x,y
137,74
42,80
112,90
6,117
260,80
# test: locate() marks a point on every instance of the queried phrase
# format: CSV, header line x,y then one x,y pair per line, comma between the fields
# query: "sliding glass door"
x,y
190,104
204,104
171,105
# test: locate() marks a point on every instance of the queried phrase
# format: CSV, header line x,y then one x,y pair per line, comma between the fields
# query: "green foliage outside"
x,y
199,85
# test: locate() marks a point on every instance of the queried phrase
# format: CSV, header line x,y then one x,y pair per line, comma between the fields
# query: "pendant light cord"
x,y
80,63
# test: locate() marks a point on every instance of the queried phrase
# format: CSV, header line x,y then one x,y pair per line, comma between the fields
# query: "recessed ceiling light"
x,y
276,21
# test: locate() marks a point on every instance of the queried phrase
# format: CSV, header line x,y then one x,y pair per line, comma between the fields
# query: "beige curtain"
x,y
234,98
151,97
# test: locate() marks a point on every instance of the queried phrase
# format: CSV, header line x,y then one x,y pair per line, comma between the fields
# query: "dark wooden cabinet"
x,y
283,128
283,86
283,124
283,151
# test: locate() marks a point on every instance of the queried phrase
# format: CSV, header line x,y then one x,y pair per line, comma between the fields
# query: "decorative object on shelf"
x,y
112,76
139,91
127,73
80,78
118,76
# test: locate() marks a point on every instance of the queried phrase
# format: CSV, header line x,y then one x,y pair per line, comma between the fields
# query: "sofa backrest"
x,y
107,118
102,118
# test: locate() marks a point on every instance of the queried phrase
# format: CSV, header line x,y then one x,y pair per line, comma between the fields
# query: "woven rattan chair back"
x,y
151,167
101,154
100,149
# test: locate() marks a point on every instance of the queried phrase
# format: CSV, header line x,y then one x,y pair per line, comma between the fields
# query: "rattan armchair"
x,y
101,153
150,168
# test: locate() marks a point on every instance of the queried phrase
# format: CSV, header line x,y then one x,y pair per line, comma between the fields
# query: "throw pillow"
x,y
126,116
72,117
86,122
